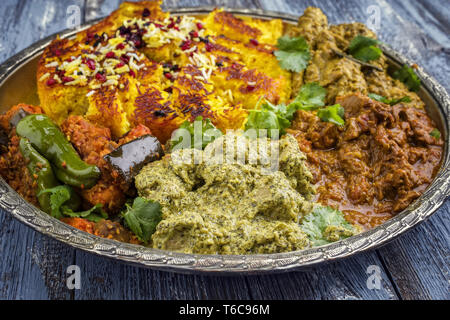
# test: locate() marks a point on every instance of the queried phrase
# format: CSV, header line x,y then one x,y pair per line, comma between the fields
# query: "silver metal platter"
x,y
18,84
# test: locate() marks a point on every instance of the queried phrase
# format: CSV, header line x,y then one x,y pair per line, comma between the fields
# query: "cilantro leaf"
x,y
271,117
364,49
95,214
407,75
325,224
293,53
391,102
143,217
333,114
310,97
64,201
435,133
200,128
59,195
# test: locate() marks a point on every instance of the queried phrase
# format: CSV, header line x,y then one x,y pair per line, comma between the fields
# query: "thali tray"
x,y
18,85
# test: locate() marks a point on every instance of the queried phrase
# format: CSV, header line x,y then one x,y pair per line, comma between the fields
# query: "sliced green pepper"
x,y
48,140
39,168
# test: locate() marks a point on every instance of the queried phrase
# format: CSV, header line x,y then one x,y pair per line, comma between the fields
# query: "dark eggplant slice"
x,y
19,115
131,157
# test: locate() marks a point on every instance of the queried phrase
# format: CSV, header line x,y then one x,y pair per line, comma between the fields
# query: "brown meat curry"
x,y
374,166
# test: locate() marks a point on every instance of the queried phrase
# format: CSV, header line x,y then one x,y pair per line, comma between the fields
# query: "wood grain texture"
x,y
414,266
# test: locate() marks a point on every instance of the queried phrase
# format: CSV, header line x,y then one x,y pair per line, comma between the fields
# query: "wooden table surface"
x,y
415,266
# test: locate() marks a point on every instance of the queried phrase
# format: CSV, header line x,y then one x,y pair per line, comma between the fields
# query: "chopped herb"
x,y
143,217
270,117
95,214
310,97
333,114
64,201
435,133
391,102
198,133
325,224
407,75
364,49
59,195
293,53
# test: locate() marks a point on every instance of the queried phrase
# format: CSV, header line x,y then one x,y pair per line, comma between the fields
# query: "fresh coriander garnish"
x,y
333,114
325,224
407,75
270,117
435,133
364,48
201,128
143,217
310,97
64,200
391,102
293,53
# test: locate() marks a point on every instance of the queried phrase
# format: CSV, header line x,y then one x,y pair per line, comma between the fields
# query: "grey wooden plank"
x,y
419,261
24,22
343,280
103,278
100,8
31,266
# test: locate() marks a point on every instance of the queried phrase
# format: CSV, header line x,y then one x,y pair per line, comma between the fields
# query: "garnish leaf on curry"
x,y
333,114
293,53
407,75
310,97
391,102
364,49
435,133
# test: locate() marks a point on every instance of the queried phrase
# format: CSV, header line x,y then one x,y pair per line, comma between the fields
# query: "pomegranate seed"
x,y
158,25
209,47
250,88
254,42
110,54
132,73
120,46
91,64
176,28
51,82
146,12
67,79
194,34
186,45
199,26
124,58
168,75
171,25
100,77
121,64
57,52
